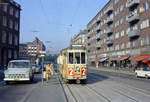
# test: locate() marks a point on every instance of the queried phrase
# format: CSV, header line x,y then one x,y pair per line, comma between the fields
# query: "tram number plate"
x,y
78,76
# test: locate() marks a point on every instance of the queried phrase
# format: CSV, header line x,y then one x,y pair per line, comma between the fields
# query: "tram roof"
x,y
75,47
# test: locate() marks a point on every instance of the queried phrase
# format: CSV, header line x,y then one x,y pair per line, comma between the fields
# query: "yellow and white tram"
x,y
71,63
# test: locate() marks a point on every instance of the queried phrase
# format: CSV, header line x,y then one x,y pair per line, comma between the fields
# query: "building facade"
x,y
80,38
9,31
119,33
31,50
23,51
34,48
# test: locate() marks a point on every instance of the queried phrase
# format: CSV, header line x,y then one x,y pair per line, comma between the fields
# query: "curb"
x,y
115,71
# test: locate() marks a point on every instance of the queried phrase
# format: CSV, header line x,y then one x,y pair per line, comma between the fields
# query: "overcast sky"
x,y
53,17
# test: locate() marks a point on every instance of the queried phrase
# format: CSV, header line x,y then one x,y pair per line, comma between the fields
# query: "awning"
x,y
140,58
146,61
103,59
124,58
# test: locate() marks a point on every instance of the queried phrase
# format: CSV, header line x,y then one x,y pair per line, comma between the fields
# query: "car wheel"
x,y
136,75
146,76
7,82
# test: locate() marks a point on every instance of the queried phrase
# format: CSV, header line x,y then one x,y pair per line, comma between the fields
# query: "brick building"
x,y
80,38
31,50
9,31
119,33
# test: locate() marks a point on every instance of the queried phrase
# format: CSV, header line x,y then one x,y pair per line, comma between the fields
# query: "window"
x,y
121,7
17,13
145,41
16,40
3,37
122,20
5,8
135,43
128,30
116,1
4,21
9,54
122,46
77,58
15,54
10,24
145,24
117,35
11,11
70,58
128,45
117,11
10,38
145,6
117,23
122,33
117,47
82,58
135,27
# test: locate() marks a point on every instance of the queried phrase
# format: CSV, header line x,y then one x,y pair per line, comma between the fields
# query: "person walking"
x,y
48,72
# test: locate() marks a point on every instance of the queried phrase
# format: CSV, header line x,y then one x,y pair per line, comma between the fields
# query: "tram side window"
x,y
70,58
82,58
77,58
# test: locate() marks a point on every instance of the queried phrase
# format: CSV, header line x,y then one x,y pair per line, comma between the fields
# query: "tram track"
x,y
127,86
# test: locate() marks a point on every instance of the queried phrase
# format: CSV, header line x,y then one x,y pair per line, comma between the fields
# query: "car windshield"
x,y
18,65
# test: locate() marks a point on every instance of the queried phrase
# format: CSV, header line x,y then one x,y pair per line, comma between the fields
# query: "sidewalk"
x,y
113,70
48,92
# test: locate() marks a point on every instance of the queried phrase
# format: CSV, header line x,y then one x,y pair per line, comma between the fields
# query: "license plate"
x,y
16,79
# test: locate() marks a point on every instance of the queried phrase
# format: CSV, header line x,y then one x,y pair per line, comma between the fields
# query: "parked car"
x,y
36,68
143,72
18,70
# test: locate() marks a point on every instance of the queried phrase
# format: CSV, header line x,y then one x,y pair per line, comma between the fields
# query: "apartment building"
x,y
9,31
80,38
119,34
34,48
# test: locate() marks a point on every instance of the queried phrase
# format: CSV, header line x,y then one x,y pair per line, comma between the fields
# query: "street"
x,y
101,86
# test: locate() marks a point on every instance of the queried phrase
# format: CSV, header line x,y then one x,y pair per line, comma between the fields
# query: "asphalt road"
x,y
141,83
101,86
111,87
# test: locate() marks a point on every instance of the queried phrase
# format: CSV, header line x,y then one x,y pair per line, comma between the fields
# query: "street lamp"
x,y
42,55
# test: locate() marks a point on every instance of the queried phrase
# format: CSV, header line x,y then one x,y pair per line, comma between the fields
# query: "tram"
x,y
71,64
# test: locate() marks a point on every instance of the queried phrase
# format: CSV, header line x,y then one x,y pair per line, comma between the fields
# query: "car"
x,y
143,72
36,68
18,70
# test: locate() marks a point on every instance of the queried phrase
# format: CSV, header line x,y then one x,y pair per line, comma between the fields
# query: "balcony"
x,y
98,47
98,22
133,17
109,10
109,42
134,33
109,31
109,20
131,3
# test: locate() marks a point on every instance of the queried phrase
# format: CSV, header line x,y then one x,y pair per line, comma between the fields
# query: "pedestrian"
x,y
52,69
48,72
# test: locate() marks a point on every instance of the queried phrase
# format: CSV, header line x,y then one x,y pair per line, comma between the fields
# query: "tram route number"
x,y
70,71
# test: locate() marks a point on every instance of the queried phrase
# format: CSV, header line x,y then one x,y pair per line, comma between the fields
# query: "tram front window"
x,y
77,58
83,58
70,58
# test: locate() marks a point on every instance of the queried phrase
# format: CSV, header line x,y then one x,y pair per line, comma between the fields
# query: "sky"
x,y
52,20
